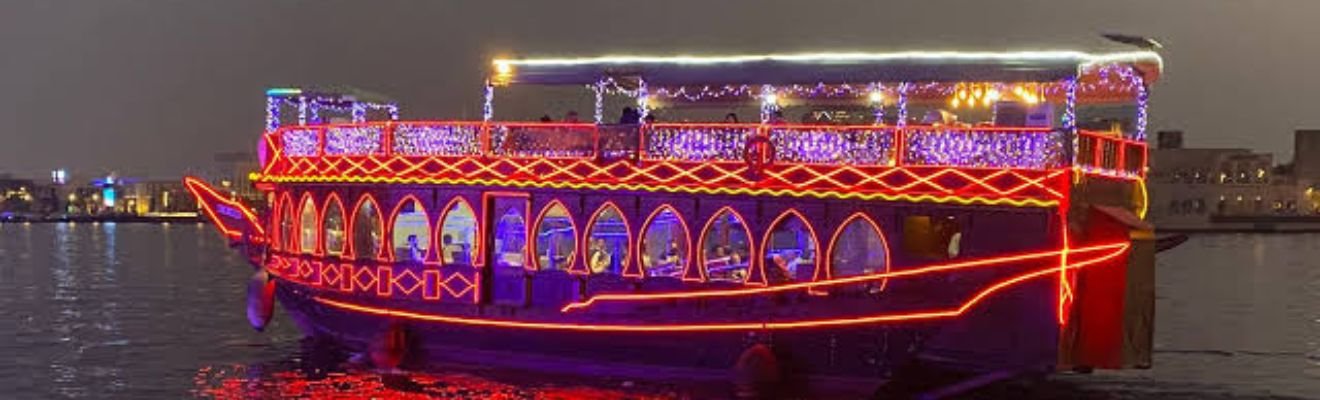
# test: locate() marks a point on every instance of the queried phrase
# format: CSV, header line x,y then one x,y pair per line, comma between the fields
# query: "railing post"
x,y
900,137
387,139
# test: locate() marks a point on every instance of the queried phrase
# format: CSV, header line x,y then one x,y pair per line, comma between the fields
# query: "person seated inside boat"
x,y
629,116
777,118
456,252
731,118
778,271
600,257
571,117
413,252
546,119
650,118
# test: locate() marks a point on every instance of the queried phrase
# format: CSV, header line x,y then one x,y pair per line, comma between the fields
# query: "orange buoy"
x,y
390,349
757,374
261,300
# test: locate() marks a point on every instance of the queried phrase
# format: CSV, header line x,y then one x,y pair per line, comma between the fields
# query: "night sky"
x,y
151,88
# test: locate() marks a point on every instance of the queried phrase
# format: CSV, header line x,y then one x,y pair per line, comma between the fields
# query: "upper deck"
x,y
897,157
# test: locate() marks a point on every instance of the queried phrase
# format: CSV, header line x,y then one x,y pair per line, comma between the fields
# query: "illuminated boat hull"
x,y
998,307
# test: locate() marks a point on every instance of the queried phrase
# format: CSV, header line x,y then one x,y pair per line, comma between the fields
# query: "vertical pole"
x,y
488,103
302,110
769,103
359,112
900,133
272,113
643,100
599,89
875,96
487,113
1070,120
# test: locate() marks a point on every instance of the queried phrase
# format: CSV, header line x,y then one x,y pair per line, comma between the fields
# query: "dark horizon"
x,y
154,88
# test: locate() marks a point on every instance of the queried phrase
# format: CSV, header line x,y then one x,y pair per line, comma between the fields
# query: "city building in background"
x,y
1234,188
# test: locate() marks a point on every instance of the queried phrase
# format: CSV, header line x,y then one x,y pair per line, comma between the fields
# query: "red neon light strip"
x,y
921,315
838,281
197,187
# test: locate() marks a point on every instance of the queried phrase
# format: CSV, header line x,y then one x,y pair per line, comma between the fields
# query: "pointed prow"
x,y
235,221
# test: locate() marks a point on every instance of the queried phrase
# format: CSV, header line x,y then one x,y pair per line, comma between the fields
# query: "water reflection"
x,y
145,311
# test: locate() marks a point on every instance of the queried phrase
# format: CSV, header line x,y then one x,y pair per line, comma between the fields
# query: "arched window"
x,y
664,244
368,231
726,247
287,238
307,226
607,241
556,238
511,239
410,231
333,221
790,248
858,248
458,234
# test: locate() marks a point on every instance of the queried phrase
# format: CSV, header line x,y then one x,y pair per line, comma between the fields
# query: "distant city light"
x,y
59,176
108,196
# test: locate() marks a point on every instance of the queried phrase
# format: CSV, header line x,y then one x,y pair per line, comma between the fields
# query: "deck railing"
x,y
857,145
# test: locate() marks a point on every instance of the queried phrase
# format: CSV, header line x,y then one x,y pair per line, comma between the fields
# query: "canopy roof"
x,y
827,68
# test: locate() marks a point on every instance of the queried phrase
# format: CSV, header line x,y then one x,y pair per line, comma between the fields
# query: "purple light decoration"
x,y
299,142
488,103
353,140
985,149
829,146
769,103
1070,117
437,140
359,113
272,113
697,143
302,110
1143,97
599,90
393,110
643,98
903,103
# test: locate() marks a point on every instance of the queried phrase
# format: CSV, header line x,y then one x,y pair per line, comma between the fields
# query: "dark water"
x,y
157,311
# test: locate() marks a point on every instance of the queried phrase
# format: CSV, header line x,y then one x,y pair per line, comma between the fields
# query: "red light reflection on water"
x,y
238,382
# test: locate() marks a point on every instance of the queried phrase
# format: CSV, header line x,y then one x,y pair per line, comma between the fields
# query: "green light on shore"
x,y
283,91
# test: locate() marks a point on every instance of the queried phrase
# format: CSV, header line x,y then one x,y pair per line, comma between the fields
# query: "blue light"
x,y
108,196
283,91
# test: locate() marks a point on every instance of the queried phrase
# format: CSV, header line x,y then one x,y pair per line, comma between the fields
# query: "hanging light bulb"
x,y
875,97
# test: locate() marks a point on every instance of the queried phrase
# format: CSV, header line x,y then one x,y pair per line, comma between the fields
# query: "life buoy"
x,y
261,300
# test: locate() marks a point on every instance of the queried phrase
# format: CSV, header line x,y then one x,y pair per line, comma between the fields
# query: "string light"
x,y
769,103
299,142
437,139
488,102
353,140
993,148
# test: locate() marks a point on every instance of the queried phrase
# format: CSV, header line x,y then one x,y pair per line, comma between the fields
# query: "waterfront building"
x,y
1233,188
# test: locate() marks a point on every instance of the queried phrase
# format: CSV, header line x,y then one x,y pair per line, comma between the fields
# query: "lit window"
x,y
411,233
307,227
726,247
664,244
556,238
334,227
458,234
790,250
858,248
367,230
607,241
286,226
